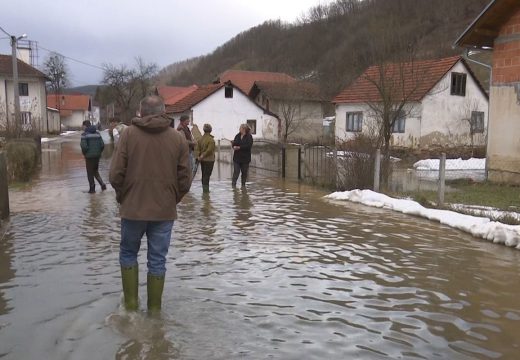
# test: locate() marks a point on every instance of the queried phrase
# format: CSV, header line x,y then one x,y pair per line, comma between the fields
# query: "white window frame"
x,y
354,122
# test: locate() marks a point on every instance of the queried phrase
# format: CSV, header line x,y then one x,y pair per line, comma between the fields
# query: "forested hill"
x,y
332,44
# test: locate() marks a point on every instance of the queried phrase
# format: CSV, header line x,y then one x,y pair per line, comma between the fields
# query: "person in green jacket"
x,y
206,156
92,146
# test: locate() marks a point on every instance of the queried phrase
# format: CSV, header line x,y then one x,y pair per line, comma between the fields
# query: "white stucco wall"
x,y
371,127
308,120
75,120
53,119
437,121
35,102
226,114
443,114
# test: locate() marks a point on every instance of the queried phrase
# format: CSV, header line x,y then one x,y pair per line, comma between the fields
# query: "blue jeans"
x,y
158,234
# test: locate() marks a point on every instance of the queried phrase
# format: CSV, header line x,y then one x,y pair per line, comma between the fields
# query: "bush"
x,y
356,163
22,159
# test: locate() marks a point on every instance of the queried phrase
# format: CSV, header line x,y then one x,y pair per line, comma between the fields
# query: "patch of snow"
x,y
482,227
67,133
451,164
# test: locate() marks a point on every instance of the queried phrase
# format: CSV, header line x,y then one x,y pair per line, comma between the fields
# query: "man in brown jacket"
x,y
150,173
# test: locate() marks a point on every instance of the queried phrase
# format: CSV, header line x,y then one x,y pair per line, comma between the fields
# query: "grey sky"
x,y
116,31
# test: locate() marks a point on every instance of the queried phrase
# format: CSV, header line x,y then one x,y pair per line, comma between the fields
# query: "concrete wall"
x,y
53,119
226,114
443,115
308,120
503,150
35,102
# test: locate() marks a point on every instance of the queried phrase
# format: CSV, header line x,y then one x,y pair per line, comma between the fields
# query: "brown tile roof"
x,y
68,103
419,78
294,90
483,31
172,94
244,80
192,98
6,68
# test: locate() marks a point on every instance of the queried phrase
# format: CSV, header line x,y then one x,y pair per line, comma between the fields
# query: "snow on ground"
x,y
482,227
451,164
67,133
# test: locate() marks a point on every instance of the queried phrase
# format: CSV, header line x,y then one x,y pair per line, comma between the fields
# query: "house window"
x,y
228,92
399,124
477,122
23,89
25,118
252,125
354,121
458,84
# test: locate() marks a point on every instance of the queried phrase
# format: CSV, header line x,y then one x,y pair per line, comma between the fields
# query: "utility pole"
x,y
14,40
15,85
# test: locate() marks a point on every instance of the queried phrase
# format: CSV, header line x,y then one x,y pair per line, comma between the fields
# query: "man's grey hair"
x,y
151,105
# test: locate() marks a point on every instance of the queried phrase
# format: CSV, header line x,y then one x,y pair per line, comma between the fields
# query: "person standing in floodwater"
x,y
206,147
150,172
183,128
242,145
92,146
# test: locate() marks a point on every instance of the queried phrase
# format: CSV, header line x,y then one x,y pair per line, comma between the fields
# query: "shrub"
x,y
356,163
22,159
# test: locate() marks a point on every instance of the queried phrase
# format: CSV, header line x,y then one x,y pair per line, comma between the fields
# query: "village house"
x,y
33,101
497,28
225,107
73,109
444,104
299,105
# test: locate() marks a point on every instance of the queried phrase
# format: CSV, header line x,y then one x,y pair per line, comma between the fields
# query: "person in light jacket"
x,y
206,155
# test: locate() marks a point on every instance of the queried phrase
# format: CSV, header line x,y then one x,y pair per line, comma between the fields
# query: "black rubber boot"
x,y
92,189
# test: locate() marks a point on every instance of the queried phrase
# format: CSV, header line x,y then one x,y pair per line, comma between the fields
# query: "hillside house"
x,y
225,107
444,104
299,105
33,101
73,108
497,28
245,80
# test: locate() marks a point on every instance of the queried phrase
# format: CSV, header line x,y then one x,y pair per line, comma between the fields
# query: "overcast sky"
x,y
116,31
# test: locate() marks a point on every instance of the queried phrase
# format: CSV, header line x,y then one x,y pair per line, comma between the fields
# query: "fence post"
x,y
377,170
302,162
442,177
218,147
299,163
4,192
335,167
283,160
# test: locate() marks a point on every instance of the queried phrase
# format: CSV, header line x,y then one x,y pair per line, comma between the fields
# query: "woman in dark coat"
x,y
242,145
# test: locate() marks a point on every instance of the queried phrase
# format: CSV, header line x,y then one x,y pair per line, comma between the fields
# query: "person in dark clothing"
x,y
206,147
92,146
183,128
242,145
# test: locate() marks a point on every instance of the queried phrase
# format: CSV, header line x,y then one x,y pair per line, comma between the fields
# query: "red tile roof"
x,y
419,78
68,103
244,80
294,90
192,98
172,94
6,68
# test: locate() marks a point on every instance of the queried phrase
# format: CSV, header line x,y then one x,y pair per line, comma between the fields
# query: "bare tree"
x,y
57,71
126,86
474,118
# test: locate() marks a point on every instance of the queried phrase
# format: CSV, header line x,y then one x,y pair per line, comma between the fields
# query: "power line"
x,y
76,60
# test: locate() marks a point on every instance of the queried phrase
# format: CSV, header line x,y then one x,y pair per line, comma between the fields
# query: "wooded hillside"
x,y
333,44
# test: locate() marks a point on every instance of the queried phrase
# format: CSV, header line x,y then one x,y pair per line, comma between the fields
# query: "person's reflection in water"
x,y
6,271
243,206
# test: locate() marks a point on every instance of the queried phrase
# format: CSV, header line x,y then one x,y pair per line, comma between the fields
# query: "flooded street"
x,y
274,272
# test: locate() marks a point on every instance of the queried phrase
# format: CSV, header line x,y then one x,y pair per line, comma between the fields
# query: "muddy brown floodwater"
x,y
271,272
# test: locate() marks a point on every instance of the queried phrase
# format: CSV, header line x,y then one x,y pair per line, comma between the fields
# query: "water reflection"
x,y
267,271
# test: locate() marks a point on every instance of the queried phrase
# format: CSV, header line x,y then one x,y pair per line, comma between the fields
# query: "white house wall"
x,y
308,120
437,121
36,102
443,114
370,126
226,114
75,121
